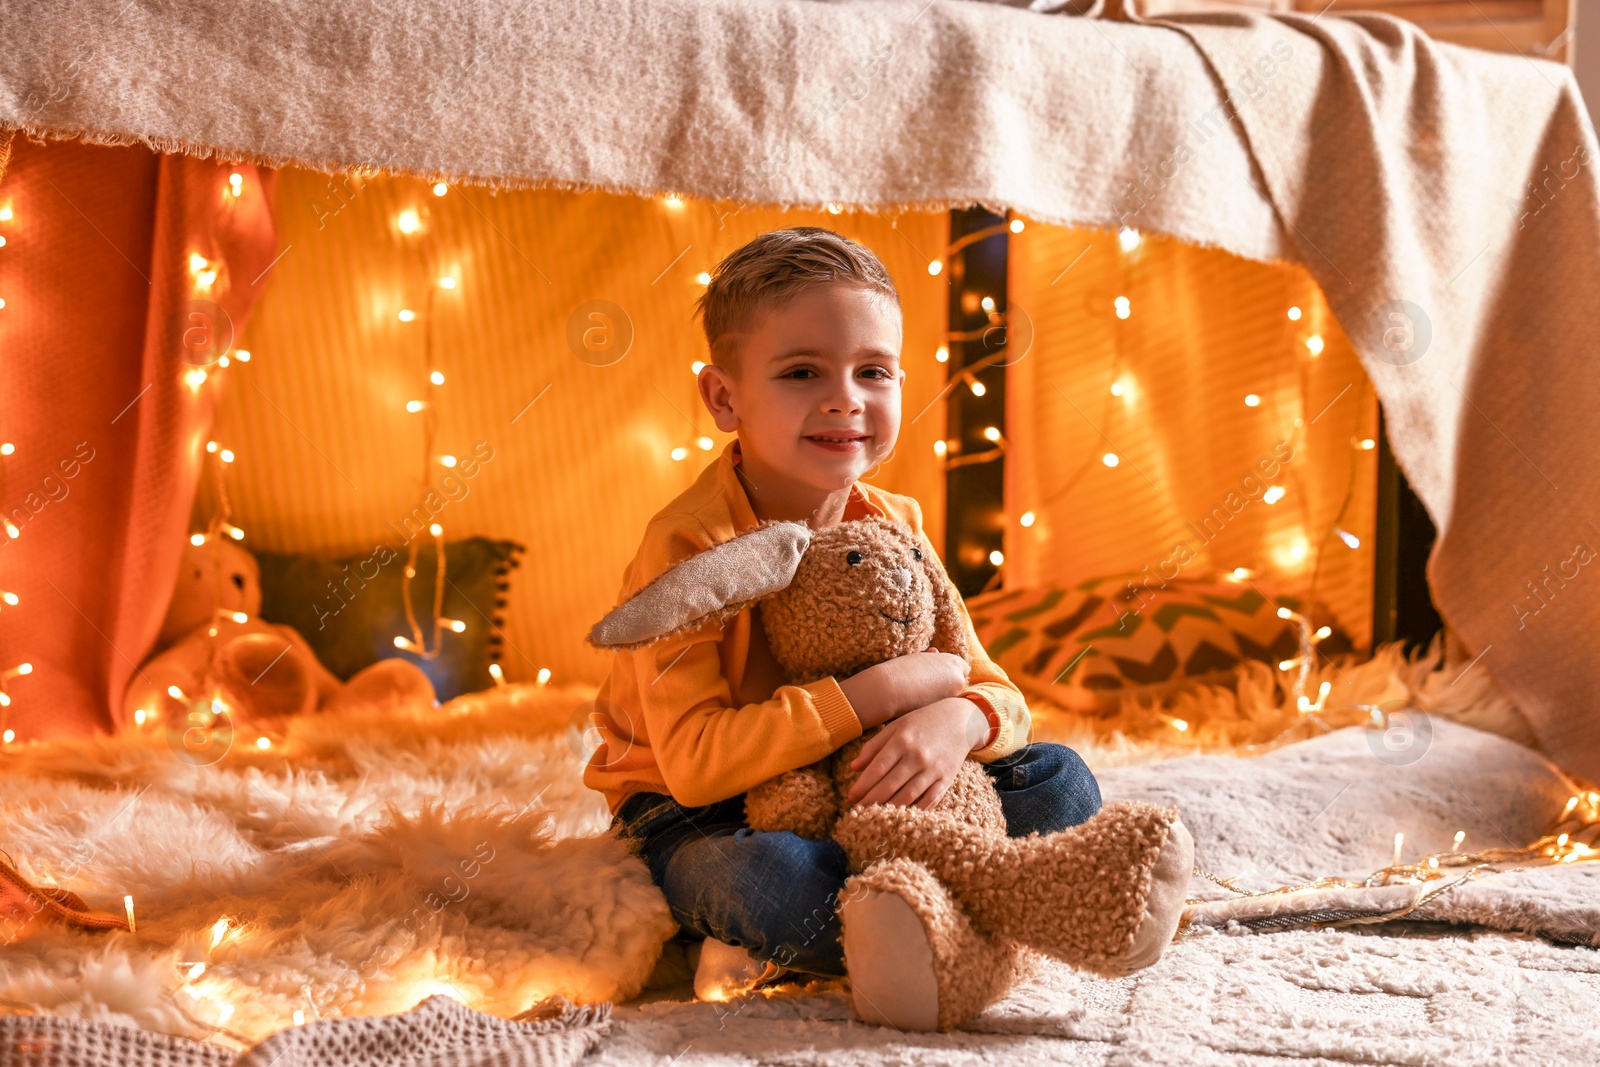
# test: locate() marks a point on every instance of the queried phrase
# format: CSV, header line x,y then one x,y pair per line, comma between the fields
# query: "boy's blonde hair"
x,y
773,268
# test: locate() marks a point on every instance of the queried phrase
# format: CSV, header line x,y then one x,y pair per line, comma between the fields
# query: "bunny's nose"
x,y
901,576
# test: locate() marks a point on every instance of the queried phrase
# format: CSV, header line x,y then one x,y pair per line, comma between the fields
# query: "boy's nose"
x,y
901,576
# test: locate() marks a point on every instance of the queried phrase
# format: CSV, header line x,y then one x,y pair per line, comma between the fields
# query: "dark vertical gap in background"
x,y
1402,608
975,493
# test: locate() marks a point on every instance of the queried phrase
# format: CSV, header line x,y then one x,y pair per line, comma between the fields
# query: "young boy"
x,y
804,331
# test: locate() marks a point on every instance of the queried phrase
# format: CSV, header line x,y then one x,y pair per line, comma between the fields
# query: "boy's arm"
x,y
988,685
706,748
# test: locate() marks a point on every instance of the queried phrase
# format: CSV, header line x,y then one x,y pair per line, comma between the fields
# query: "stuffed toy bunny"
x,y
1105,896
262,670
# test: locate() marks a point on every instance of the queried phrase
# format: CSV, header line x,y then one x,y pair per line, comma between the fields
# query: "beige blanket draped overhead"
x,y
1443,198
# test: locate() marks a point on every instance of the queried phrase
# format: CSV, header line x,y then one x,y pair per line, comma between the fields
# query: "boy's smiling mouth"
x,y
848,441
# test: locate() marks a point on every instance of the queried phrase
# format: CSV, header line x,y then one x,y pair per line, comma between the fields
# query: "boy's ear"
x,y
717,583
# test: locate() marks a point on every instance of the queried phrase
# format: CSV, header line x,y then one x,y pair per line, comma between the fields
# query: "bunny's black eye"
x,y
916,553
853,558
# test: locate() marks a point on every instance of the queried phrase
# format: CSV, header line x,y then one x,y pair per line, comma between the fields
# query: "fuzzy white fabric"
x,y
391,856
321,858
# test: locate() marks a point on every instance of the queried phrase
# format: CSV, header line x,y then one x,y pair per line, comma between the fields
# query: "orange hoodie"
x,y
704,715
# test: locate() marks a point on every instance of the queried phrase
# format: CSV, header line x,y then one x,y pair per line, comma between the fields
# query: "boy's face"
x,y
825,364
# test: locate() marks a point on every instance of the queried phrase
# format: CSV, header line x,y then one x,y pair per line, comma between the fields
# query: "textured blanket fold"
x,y
438,1031
1444,198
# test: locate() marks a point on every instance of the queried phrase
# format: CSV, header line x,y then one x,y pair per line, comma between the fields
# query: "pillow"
x,y
1086,646
350,610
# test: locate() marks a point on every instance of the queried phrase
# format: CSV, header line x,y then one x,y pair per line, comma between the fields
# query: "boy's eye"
x,y
853,558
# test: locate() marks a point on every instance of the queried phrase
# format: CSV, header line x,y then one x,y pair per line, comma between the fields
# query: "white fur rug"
x,y
367,863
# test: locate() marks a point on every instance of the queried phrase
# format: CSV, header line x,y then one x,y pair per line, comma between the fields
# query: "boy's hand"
x,y
905,683
914,758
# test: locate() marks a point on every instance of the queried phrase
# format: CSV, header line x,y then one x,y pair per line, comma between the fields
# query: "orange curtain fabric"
x,y
108,318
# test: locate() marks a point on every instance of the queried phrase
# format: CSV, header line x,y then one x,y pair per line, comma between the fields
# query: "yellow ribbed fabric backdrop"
x,y
1203,331
329,461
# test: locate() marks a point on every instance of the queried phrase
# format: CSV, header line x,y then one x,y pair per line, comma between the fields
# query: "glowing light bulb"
x,y
935,267
225,1014
174,692
1128,238
127,902
1240,574
436,378
1350,539
243,355
299,1017
1251,400
139,716
195,972
978,388
987,303
1314,344
7,448
9,736
940,447
440,188
992,432
240,617
9,598
407,315
236,183
1124,308
1116,388
2,241
403,643
448,461
195,378
1461,836
1180,725
226,455
211,446
219,930
941,354
680,453
834,209
1294,314
1026,518
1366,444
1016,226
435,529
197,539
544,675
1110,459
5,213
497,674
222,361
453,625
11,531
1323,632
672,200
447,282
697,366
1274,494
1399,843
704,277
997,557
1285,613
408,221
415,406
705,443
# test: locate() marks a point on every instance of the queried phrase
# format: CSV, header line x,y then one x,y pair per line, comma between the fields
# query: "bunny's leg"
x,y
914,960
1105,896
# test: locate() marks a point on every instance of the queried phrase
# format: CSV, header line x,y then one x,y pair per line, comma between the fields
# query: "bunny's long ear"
x,y
717,583
949,632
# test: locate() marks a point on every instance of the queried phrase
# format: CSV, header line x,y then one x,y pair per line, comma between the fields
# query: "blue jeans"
x,y
775,893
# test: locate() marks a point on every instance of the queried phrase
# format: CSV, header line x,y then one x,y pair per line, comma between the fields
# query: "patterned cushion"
x,y
1086,646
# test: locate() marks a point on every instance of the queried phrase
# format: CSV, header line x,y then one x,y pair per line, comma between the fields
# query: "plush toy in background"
x,y
1105,896
262,671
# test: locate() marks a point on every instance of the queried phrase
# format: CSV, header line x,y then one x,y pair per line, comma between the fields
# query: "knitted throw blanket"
x,y
439,1032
